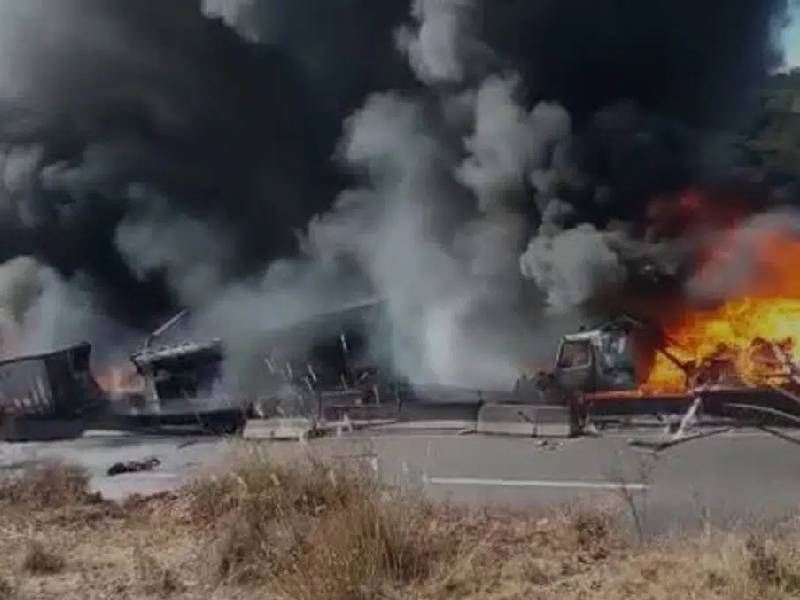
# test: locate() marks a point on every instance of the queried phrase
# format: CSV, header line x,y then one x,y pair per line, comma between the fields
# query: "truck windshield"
x,y
574,355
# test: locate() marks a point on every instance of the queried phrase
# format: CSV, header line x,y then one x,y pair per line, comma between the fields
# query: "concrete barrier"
x,y
554,421
360,412
279,429
525,420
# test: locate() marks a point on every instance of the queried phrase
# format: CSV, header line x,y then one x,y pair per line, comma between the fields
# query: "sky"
x,y
791,37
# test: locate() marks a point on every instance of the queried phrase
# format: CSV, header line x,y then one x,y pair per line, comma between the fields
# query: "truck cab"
x,y
613,357
598,360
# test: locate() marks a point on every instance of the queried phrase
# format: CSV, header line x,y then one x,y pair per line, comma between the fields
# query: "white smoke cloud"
x,y
41,311
443,47
572,266
19,168
435,227
510,145
192,255
516,153
236,14
391,228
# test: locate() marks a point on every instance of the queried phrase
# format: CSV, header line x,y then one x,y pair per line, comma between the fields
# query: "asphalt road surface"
x,y
732,479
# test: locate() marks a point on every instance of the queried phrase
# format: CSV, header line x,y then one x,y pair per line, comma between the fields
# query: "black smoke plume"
x,y
132,131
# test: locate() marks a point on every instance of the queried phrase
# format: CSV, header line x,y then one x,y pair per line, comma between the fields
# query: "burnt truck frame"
x,y
48,395
182,387
324,365
599,370
56,384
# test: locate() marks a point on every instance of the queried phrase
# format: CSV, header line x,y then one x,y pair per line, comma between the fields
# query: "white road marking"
x,y
534,483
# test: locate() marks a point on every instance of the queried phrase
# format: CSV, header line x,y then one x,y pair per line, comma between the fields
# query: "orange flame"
x,y
120,379
755,334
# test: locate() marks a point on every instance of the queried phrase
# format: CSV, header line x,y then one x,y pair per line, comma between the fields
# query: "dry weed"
x,y
313,530
7,590
773,565
153,578
502,554
49,485
40,561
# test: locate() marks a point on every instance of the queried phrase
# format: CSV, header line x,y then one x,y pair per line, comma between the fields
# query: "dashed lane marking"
x,y
537,483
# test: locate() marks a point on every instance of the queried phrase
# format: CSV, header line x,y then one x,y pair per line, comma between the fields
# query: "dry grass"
x,y
49,485
7,591
154,579
312,530
40,561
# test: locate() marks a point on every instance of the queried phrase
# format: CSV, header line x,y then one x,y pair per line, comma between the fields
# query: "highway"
x,y
733,479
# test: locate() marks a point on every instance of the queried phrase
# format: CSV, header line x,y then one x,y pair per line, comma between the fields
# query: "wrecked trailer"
x,y
48,395
183,387
326,364
183,371
340,365
184,383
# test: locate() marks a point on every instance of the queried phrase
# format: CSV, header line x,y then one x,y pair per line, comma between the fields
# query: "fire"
x,y
121,379
754,336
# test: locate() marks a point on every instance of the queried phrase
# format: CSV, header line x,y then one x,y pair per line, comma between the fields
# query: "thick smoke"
x,y
190,253
739,265
443,46
41,311
468,162
409,228
573,266
98,96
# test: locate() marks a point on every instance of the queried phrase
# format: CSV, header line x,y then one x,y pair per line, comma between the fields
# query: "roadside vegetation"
x,y
311,530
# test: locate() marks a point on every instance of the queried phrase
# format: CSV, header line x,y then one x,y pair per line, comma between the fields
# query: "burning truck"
x,y
738,356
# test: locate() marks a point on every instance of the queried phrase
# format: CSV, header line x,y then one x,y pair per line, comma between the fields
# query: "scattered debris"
x,y
660,445
764,410
133,466
779,434
548,444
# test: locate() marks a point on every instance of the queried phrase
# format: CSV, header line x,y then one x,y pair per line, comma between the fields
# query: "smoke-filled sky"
x,y
474,163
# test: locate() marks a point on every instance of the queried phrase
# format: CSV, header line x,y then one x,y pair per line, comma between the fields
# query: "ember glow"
x,y
753,337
